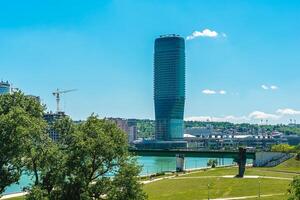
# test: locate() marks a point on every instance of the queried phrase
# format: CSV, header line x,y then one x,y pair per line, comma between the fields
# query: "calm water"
x,y
149,165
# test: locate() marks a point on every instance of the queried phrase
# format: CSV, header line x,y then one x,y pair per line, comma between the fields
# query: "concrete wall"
x,y
267,158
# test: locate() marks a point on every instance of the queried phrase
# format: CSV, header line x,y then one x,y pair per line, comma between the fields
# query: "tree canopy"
x,y
20,121
89,161
294,190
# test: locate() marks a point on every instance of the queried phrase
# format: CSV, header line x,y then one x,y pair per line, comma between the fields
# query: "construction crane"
x,y
57,94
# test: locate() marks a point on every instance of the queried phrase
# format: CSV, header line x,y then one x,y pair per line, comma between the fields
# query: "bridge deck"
x,y
190,153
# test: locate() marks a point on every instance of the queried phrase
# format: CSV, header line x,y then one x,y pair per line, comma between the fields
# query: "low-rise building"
x,y
127,125
223,141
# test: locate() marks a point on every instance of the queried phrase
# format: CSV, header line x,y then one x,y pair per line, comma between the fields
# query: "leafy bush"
x,y
212,163
283,148
294,190
298,156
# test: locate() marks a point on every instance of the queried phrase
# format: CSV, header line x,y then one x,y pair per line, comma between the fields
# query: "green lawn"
x,y
194,186
17,198
290,166
249,171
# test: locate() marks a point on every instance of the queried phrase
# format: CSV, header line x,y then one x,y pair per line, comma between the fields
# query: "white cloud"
x,y
262,115
210,92
273,87
264,87
204,33
236,119
288,111
222,92
224,34
229,118
207,91
198,118
279,116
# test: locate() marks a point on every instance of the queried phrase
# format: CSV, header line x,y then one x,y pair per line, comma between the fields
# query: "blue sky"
x,y
249,51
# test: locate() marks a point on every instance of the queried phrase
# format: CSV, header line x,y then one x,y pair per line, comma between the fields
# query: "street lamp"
x,y
259,182
208,194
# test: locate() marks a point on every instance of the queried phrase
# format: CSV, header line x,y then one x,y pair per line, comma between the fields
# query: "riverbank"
x,y
150,166
193,183
145,179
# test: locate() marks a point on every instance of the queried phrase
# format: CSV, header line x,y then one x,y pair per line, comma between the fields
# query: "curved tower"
x,y
169,87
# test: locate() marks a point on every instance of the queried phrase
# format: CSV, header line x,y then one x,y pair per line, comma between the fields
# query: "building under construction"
x,y
51,118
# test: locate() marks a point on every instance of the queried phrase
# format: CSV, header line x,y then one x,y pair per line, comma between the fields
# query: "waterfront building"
x,y
4,87
200,131
169,87
226,142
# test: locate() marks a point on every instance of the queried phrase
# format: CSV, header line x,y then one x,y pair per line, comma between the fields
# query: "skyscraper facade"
x,y
169,87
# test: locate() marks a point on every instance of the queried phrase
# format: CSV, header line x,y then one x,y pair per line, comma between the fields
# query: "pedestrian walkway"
x,y
232,176
249,197
8,196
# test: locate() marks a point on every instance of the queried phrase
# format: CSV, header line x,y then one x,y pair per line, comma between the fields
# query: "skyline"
x,y
239,67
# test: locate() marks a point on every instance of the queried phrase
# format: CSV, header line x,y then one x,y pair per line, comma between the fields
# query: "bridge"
x,y
191,153
239,156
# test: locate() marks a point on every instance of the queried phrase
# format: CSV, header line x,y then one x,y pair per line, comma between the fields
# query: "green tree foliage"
x,y
212,163
90,160
125,184
297,149
91,153
283,148
146,128
297,157
294,190
20,121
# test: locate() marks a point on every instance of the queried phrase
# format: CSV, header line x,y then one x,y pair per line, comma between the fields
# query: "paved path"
x,y
8,196
249,197
157,179
232,176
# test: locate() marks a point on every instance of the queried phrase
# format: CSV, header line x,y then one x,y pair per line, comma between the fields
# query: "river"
x,y
150,165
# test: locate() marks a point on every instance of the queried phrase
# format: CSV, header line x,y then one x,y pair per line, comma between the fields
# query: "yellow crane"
x,y
57,94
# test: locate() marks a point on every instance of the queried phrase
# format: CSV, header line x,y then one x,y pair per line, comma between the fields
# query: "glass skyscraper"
x,y
169,87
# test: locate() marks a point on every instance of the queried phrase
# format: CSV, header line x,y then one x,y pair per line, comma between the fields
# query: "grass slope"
x,y
195,185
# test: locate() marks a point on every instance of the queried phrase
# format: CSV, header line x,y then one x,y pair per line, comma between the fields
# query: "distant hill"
x,y
146,127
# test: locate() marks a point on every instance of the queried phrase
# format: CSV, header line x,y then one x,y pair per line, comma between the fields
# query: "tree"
x,y
126,184
294,190
20,118
297,156
79,166
282,148
297,149
44,161
93,153
212,163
